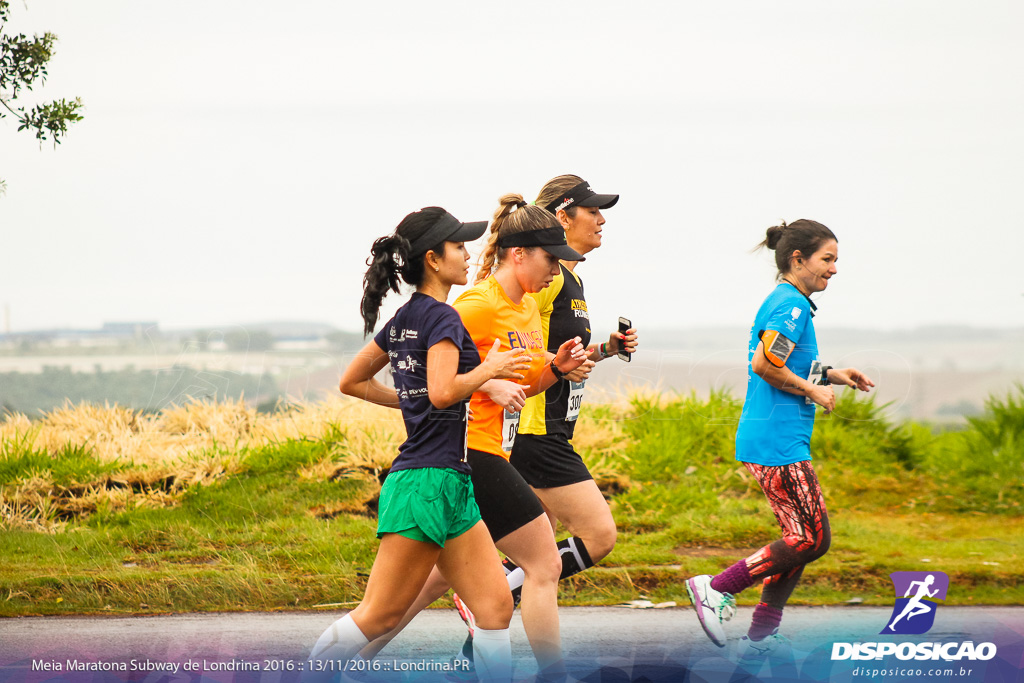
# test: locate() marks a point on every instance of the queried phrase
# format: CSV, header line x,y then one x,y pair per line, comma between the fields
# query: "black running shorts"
x,y
506,501
548,461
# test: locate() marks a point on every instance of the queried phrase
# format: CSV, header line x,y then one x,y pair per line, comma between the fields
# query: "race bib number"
x,y
509,429
816,376
575,401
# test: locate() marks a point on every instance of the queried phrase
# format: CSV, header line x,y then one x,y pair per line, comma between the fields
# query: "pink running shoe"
x,y
465,613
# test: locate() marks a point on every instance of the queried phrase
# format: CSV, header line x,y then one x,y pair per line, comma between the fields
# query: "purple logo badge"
x,y
914,612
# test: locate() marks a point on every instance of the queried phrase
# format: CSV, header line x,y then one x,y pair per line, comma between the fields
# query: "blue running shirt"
x,y
775,427
435,437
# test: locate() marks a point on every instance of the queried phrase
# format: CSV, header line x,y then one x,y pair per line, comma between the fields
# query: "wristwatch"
x,y
824,375
555,371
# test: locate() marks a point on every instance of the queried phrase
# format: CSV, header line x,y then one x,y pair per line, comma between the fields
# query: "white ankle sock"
x,y
492,654
342,640
515,578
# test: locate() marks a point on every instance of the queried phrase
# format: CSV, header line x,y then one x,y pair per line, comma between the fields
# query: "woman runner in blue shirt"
x,y
427,512
785,380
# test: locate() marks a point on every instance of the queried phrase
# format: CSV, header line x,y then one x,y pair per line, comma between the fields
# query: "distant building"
x,y
306,343
111,335
135,330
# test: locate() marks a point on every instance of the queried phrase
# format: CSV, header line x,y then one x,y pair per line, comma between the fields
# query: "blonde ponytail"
x,y
512,215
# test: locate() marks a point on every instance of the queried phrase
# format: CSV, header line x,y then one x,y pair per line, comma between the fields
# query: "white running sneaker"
x,y
711,606
461,669
773,647
465,613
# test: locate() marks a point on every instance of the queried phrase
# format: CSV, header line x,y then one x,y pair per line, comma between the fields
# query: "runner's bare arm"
x,y
784,379
359,381
851,377
445,386
509,395
570,356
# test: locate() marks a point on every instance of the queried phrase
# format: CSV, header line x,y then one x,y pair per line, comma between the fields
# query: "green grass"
x,y
247,543
900,497
71,464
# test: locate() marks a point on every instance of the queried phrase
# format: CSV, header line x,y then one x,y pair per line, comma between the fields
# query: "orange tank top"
x,y
489,314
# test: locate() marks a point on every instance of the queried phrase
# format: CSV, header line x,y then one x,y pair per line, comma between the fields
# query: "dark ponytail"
x,y
387,256
390,265
804,235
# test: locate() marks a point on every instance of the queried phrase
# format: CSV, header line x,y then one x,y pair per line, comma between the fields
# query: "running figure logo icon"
x,y
914,613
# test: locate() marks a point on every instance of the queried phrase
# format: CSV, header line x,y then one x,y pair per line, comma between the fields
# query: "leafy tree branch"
x,y
23,64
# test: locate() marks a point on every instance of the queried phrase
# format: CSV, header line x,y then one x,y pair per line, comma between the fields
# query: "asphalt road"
x,y
602,644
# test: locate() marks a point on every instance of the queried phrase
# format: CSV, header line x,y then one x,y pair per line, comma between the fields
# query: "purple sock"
x,y
734,579
766,619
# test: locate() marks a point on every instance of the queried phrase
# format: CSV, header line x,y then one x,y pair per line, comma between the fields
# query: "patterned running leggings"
x,y
795,497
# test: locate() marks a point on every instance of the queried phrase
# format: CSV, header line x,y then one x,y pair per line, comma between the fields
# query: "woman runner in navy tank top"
x,y
427,513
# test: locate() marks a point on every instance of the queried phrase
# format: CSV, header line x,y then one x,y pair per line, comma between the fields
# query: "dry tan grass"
x,y
119,434
363,436
196,443
31,515
202,442
38,503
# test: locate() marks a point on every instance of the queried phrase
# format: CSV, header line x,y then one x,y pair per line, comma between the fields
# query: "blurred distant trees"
x,y
243,340
23,62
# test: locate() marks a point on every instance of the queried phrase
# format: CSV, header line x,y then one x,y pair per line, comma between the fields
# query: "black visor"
x,y
551,240
582,195
448,228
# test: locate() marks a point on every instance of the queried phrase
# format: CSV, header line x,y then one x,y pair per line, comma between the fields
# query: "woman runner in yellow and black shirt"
x,y
543,451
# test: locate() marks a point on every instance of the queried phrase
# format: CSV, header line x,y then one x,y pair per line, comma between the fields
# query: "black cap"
x,y
448,228
582,195
551,240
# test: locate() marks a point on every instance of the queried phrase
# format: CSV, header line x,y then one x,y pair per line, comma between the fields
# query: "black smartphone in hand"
x,y
624,326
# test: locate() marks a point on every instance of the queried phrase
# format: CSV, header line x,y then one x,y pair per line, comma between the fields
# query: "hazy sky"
x,y
238,158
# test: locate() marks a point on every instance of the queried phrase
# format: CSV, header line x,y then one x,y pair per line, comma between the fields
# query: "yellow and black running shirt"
x,y
563,314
